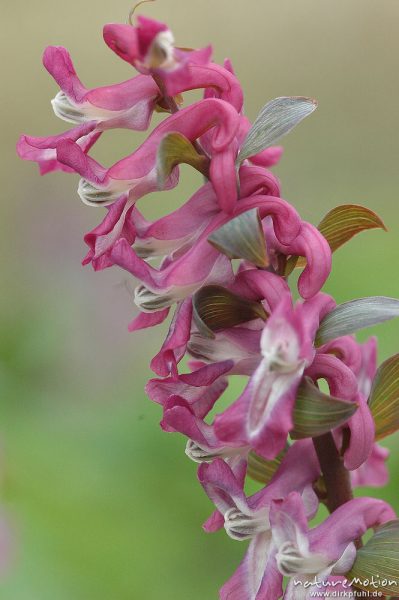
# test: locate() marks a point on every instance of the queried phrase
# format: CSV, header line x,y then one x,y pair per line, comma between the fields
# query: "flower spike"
x,y
216,270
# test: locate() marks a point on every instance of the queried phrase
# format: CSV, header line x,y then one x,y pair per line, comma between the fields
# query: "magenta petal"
x,y
313,312
373,472
117,215
145,320
132,101
362,428
43,150
256,284
122,39
58,63
286,517
147,30
224,178
348,350
225,84
52,142
221,486
214,522
174,347
298,470
271,439
69,153
177,278
343,384
188,271
269,157
200,57
179,417
189,219
262,415
122,96
286,221
200,389
311,244
348,523
257,577
341,380
256,180
230,425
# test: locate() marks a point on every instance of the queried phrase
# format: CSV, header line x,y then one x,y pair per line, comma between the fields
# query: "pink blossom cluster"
x,y
224,258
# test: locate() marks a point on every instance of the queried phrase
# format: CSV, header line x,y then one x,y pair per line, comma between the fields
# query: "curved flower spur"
x,y
225,257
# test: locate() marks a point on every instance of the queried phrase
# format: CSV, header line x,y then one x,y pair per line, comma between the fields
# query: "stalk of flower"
x,y
225,259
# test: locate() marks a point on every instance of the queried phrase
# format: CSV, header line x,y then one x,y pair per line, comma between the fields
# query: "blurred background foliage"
x,y
103,504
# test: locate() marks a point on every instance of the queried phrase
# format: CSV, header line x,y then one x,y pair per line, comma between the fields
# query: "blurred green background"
x,y
103,504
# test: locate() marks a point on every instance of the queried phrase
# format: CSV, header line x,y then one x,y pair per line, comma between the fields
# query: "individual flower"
x,y
200,262
248,518
136,175
313,555
263,415
202,445
125,105
150,47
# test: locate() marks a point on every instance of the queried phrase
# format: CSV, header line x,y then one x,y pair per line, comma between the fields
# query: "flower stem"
x,y
336,476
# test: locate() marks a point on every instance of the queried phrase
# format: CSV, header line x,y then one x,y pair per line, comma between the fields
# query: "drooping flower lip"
x,y
43,150
200,388
202,445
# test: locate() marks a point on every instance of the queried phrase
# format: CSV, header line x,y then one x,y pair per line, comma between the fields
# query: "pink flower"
x,y
202,445
262,416
217,81
181,274
248,518
150,47
306,555
124,105
136,174
174,347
